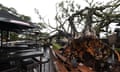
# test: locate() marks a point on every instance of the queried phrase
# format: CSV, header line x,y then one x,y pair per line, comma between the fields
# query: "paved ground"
x,y
47,67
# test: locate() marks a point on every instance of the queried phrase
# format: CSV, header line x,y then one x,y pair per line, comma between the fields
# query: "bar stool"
x,y
44,61
41,62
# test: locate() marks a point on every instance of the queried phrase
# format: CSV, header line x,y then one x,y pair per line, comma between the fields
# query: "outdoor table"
x,y
4,50
28,44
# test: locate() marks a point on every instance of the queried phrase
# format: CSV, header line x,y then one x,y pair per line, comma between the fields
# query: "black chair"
x,y
28,65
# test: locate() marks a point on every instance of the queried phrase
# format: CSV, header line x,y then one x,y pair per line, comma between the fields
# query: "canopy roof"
x,y
10,22
118,24
117,30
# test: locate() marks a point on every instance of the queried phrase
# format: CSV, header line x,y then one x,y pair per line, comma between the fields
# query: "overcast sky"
x,y
46,7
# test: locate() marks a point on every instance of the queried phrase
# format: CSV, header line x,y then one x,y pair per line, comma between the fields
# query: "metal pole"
x,y
113,56
7,38
1,38
40,64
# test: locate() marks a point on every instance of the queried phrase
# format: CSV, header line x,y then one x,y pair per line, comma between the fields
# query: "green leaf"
x,y
56,46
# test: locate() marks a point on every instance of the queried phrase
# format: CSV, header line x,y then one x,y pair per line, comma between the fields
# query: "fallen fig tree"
x,y
90,52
